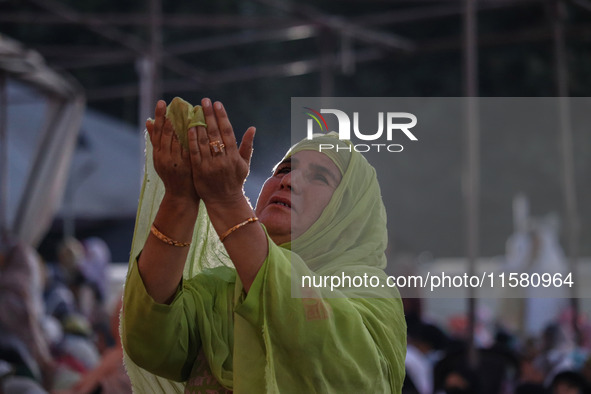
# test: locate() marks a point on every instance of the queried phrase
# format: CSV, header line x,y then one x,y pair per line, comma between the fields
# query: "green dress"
x,y
279,338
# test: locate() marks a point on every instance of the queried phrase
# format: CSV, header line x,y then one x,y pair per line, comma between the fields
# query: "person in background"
x,y
109,376
569,382
22,339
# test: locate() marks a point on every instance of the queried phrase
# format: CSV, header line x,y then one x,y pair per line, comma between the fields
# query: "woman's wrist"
x,y
176,218
227,212
244,239
228,200
179,205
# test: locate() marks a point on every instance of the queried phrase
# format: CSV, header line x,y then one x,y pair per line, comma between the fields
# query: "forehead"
x,y
310,158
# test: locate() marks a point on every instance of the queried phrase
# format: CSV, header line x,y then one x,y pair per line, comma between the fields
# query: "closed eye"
x,y
283,169
321,178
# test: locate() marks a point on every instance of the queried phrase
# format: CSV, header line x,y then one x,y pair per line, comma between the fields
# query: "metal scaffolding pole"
x,y
471,163
149,70
3,160
326,64
567,155
156,47
148,67
129,41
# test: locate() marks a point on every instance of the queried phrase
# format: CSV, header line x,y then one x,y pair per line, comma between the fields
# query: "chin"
x,y
277,229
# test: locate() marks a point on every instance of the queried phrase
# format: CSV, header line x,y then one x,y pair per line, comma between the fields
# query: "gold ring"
x,y
217,147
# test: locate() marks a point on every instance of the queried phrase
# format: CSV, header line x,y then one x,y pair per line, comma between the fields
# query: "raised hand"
x,y
171,161
160,263
219,166
219,169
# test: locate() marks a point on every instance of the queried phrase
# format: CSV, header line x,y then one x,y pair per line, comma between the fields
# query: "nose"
x,y
290,180
286,181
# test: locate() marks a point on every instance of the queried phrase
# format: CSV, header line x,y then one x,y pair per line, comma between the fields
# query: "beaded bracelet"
x,y
166,239
236,227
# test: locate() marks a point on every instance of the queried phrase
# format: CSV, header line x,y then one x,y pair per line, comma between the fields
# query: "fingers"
x,y
171,151
218,128
162,133
194,151
157,125
185,154
166,137
175,147
246,144
225,128
203,143
150,128
213,132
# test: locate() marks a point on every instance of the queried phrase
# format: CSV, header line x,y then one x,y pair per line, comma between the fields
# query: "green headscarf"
x,y
350,236
352,228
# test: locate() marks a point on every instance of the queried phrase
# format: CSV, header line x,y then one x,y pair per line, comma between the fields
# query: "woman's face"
x,y
293,198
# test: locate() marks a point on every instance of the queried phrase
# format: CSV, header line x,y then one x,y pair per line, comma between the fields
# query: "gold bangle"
x,y
236,227
167,240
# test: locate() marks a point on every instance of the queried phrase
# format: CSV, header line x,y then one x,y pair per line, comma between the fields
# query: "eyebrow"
x,y
286,161
315,167
326,171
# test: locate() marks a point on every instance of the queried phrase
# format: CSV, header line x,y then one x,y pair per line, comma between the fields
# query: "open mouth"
x,y
281,201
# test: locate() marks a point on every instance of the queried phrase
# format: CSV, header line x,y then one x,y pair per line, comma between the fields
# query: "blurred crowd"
x,y
534,343
57,332
557,361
